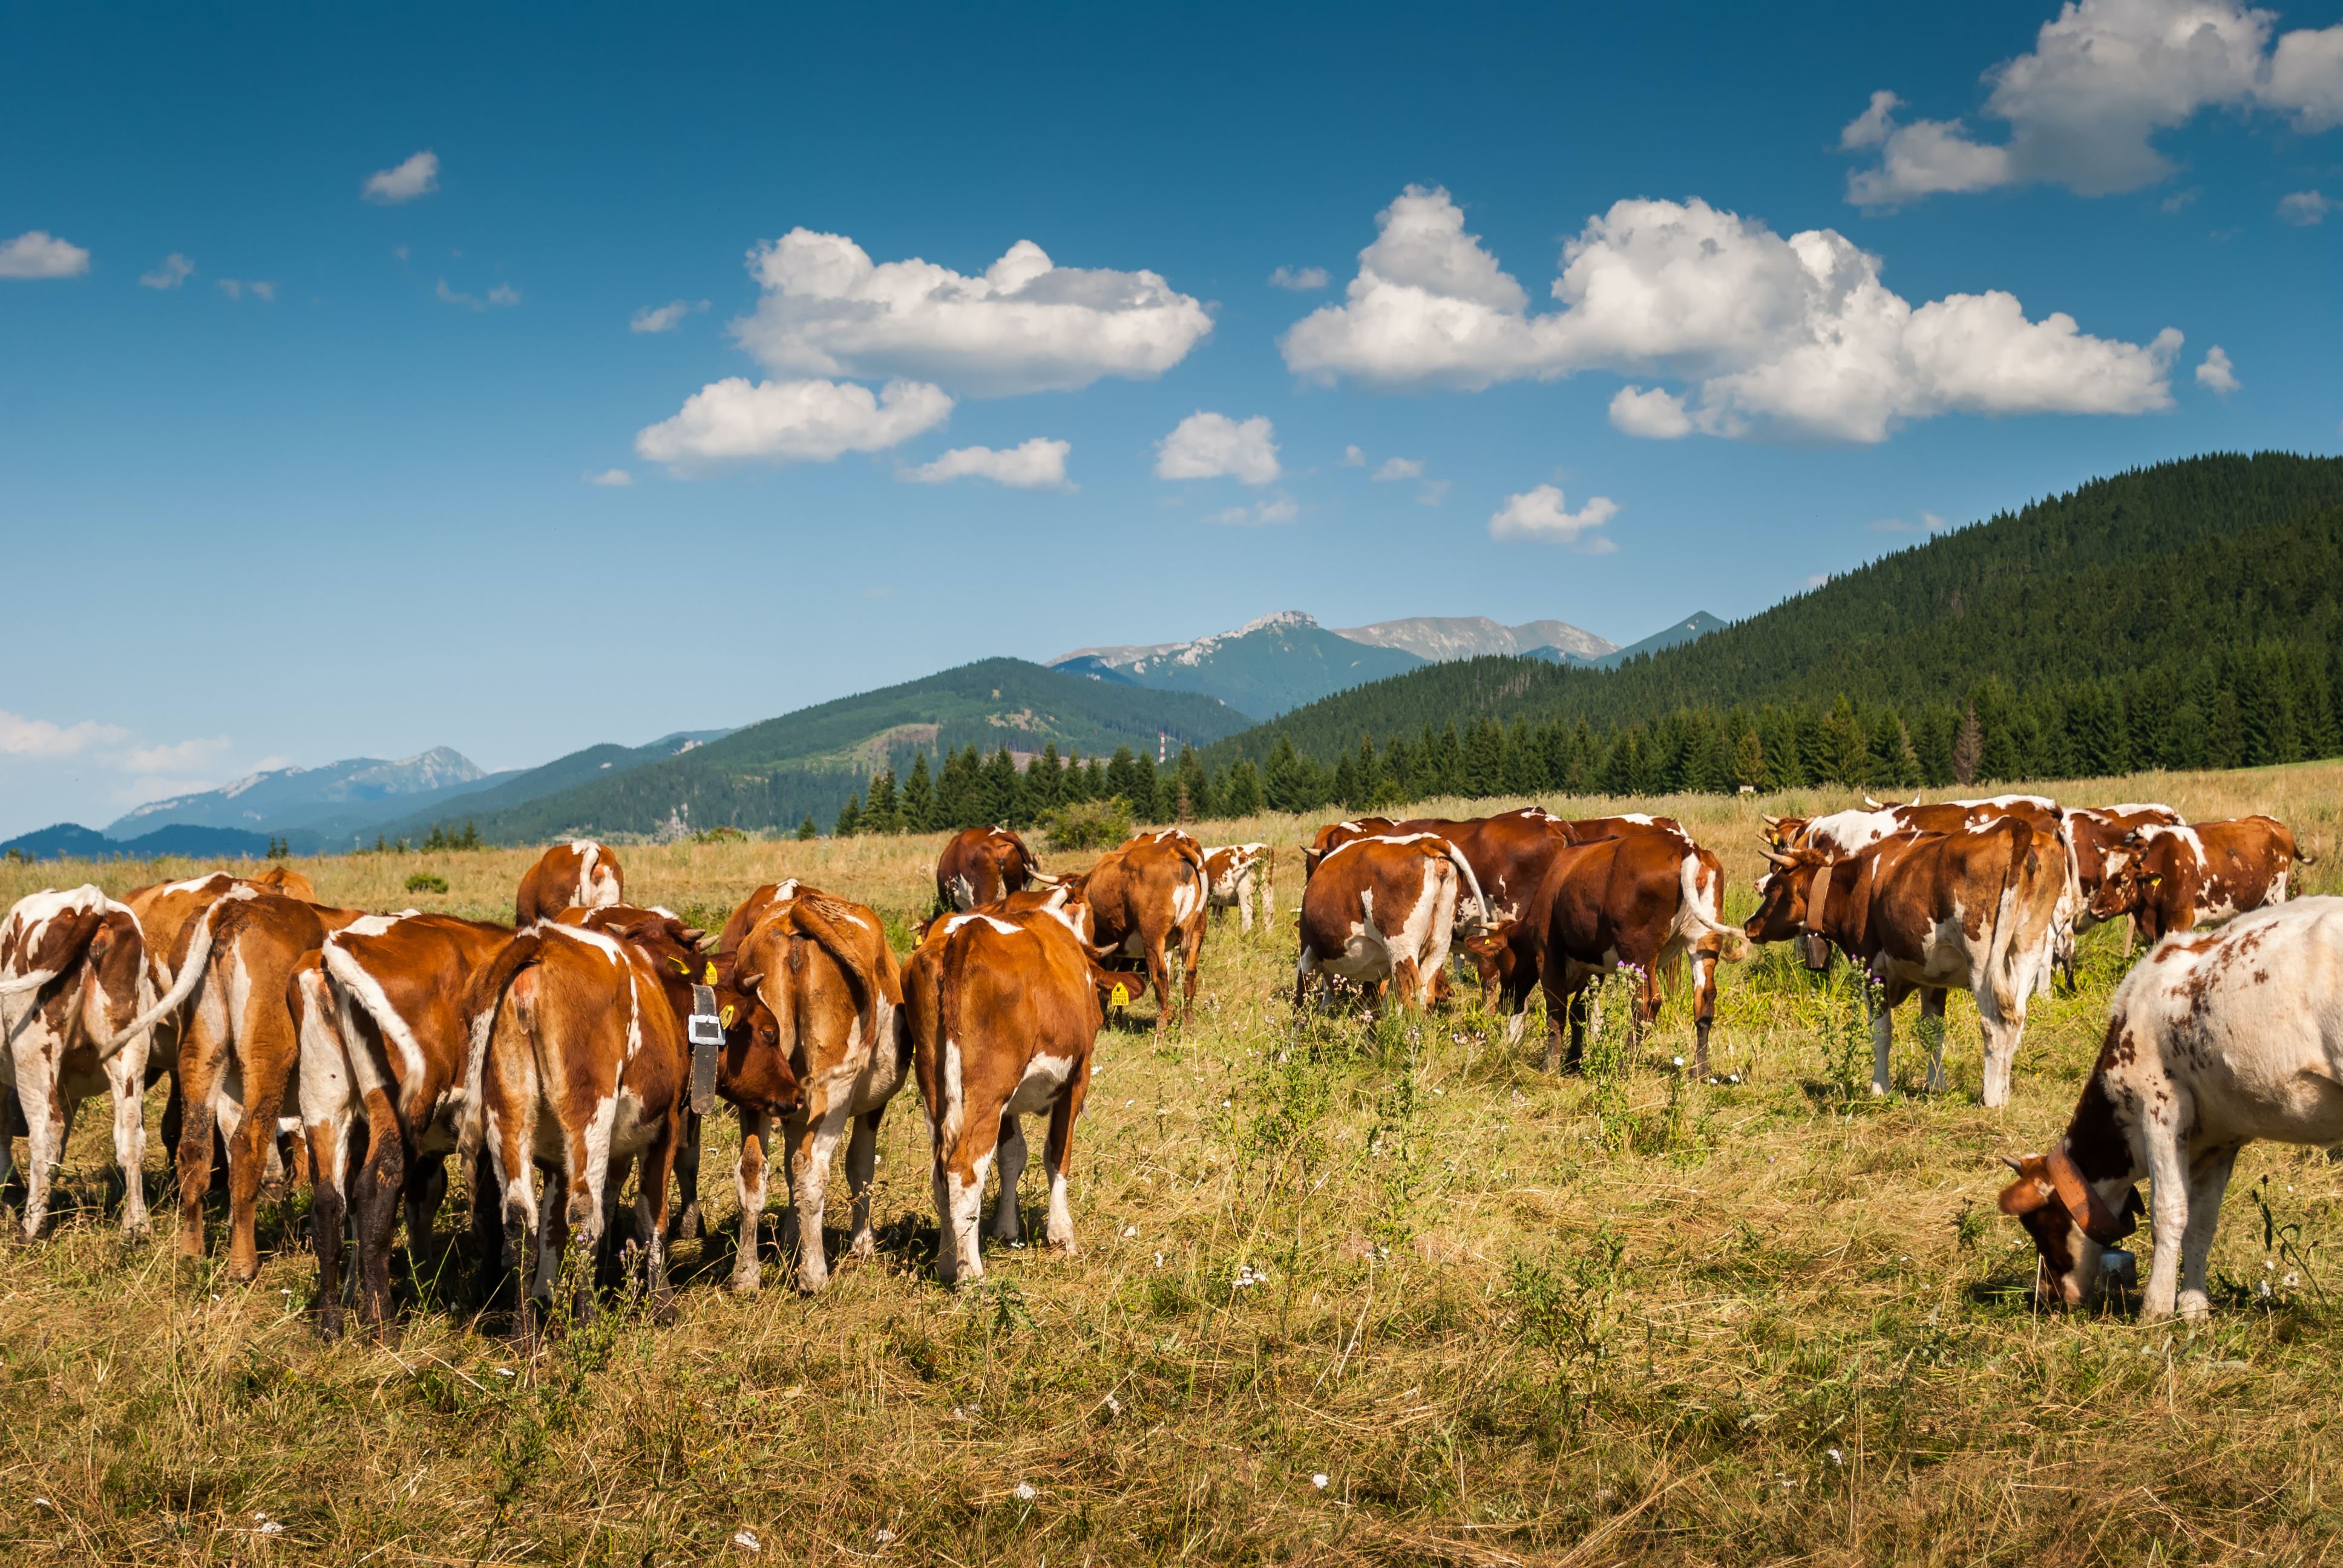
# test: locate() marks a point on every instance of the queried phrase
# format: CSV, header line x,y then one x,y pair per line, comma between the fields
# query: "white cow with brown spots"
x,y
2215,1040
1235,873
1384,908
578,875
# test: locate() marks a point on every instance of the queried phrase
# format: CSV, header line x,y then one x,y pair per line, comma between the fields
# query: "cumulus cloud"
x,y
1354,459
1540,514
1794,337
36,253
1036,465
1930,523
1655,414
1398,469
610,479
1434,491
1206,446
503,294
1269,513
177,756
736,421
23,737
417,176
2102,78
2305,208
1023,325
1300,279
665,317
2216,373
237,287
169,273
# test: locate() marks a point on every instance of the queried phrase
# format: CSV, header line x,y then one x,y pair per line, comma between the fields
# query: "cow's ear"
x,y
2155,879
2032,1188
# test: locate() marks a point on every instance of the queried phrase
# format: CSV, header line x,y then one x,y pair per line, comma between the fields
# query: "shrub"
x,y
427,882
1088,824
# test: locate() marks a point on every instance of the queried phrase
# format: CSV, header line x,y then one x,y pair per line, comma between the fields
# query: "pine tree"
x,y
918,798
1004,789
1241,796
1845,754
850,818
1347,793
1749,761
1969,748
2225,732
881,811
806,832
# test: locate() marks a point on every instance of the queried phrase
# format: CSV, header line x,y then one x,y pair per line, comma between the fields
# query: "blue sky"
x,y
319,488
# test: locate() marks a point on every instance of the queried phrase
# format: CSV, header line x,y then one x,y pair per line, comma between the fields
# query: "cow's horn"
x,y
1769,821
2014,1163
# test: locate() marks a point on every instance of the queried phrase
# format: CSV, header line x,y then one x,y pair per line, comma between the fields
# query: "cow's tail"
x,y
481,1000
192,969
1696,903
2287,841
86,927
1480,899
2010,899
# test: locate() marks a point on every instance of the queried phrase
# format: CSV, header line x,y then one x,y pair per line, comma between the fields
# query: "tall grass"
x,y
1507,1317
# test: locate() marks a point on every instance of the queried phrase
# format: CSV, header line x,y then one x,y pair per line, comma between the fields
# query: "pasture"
x,y
1347,1292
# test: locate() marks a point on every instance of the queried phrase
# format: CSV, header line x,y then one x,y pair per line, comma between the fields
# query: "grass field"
x,y
1346,1292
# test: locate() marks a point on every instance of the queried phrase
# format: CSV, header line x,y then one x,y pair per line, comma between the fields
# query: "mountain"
x,y
771,775
2181,615
1438,638
506,791
1263,668
1699,624
287,797
70,840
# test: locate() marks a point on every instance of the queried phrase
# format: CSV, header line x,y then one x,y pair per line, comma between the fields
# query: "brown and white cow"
x,y
1925,912
579,1064
2098,831
580,874
1003,1014
1640,901
2215,1040
824,971
385,1040
1147,901
1235,873
1334,835
1384,909
74,974
2175,878
983,865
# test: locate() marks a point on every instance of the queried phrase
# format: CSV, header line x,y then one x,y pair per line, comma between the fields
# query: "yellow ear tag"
x,y
711,975
2157,880
726,1016
681,967
1120,996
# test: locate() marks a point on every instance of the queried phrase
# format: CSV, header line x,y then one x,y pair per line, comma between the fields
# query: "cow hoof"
x,y
746,1285
2195,1306
864,1247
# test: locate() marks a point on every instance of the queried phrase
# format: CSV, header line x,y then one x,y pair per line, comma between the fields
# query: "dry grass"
x,y
1509,1319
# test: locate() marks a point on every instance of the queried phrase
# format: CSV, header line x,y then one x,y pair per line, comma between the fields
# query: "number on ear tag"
x,y
1120,996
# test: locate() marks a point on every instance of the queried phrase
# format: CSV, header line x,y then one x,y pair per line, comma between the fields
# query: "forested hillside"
x,y
2187,615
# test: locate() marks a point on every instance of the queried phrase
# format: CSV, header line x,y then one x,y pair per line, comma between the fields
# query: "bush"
x,y
720,835
427,882
1088,824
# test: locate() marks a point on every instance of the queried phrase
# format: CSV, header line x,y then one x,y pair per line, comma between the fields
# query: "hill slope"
x,y
771,775
1446,637
2183,615
295,797
1263,668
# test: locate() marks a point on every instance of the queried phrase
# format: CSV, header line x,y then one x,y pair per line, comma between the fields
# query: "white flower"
x,y
746,1540
1025,1493
1129,1231
1159,1259
2265,1288
882,1536
2291,1281
1836,1458
1677,1059
504,1372
1319,1481
1114,1405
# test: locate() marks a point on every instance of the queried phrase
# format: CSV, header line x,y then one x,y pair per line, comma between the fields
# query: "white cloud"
x,y
1024,324
791,422
23,737
1539,514
2217,372
1354,459
504,294
1655,414
1276,511
36,253
237,287
1398,469
1434,491
1792,337
2104,78
2305,208
1206,446
1930,523
169,273
1300,279
176,756
665,317
501,295
1036,465
610,479
418,176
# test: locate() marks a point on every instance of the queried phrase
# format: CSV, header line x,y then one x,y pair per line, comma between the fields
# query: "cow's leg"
x,y
810,1194
374,1198
1406,985
2003,1021
1192,961
426,1190
1159,973
329,1143
2167,1202
861,1156
269,1053
1883,1040
1932,1006
1244,906
1301,968
38,1094
1012,1149
126,1077
658,1169
1704,1005
748,1185
1059,1156
964,1175
947,1238
793,1133
686,1225
2206,1183
593,1184
199,1075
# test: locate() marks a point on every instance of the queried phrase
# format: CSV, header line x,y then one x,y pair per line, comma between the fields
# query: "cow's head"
x,y
1492,947
2133,873
2072,1224
754,1072
1781,832
1783,893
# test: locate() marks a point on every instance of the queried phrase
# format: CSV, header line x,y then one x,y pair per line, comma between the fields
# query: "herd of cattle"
x,y
587,1041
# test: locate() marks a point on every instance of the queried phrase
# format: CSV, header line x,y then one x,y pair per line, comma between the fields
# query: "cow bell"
x,y
705,1030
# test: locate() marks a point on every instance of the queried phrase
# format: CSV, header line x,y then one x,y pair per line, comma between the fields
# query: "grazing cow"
x,y
1334,835
2176,879
2214,1039
1642,898
1146,900
580,1064
983,865
378,1010
291,883
74,974
821,968
1928,911
580,874
1234,873
743,919
1384,909
2097,832
1003,1014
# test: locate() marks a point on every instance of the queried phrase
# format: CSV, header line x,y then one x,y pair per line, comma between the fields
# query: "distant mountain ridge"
x,y
1438,638
293,797
1698,625
1263,668
70,840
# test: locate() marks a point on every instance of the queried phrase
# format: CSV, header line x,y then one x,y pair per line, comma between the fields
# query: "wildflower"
x,y
1159,1259
1130,1231
882,1536
2291,1281
1732,1078
1114,1405
1025,1493
504,1372
2265,1288
264,1525
1319,1481
746,1540
1677,1059
1836,1458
